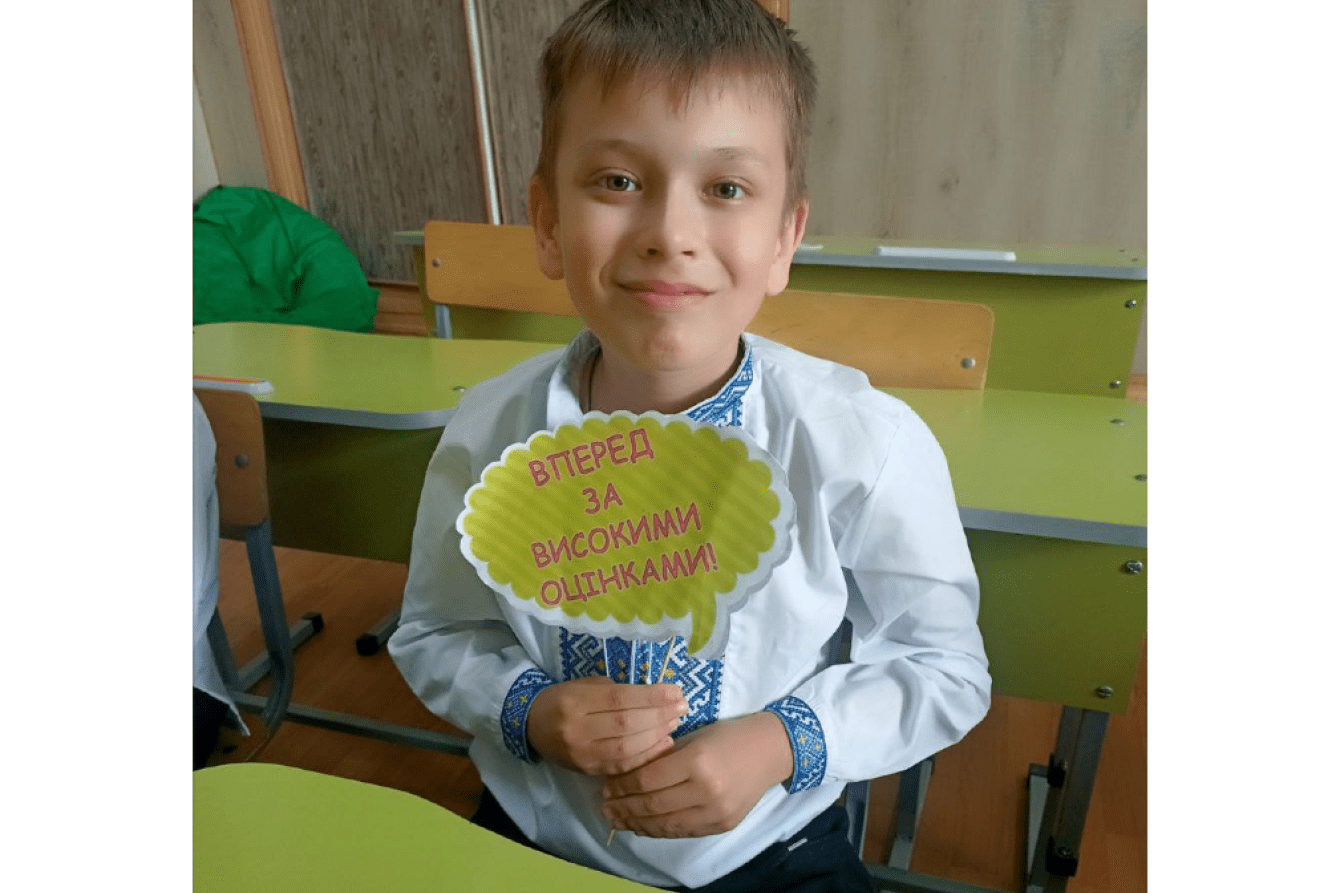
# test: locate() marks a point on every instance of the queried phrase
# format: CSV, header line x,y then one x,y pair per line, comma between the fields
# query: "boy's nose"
x,y
672,225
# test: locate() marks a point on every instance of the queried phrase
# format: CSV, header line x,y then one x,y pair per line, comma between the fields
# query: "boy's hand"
x,y
707,785
599,728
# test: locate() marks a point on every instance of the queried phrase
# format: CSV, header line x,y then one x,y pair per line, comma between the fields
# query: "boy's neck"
x,y
612,385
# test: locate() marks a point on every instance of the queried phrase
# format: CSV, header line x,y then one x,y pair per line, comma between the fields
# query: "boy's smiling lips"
x,y
662,295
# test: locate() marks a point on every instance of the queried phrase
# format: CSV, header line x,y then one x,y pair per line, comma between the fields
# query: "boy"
x,y
669,197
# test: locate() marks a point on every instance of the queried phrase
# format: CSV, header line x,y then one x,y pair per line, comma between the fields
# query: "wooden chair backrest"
x,y
898,342
482,265
239,458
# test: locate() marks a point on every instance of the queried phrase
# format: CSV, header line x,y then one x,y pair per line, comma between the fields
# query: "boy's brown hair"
x,y
678,42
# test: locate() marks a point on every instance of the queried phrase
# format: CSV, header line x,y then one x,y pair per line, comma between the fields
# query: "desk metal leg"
x,y
1063,788
442,317
375,639
1059,795
856,799
912,786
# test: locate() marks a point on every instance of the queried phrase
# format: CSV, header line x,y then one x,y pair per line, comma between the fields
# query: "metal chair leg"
x,y
299,632
274,625
217,637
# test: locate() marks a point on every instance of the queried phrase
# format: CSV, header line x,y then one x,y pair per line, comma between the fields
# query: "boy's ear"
x,y
543,215
793,230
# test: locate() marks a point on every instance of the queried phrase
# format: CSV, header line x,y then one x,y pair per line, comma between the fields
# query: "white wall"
x,y
223,99
980,123
206,174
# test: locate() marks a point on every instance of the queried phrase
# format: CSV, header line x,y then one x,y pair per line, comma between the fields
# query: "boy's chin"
x,y
691,365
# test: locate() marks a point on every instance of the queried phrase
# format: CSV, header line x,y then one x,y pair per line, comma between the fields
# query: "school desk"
x,y
259,826
1051,489
363,411
1067,319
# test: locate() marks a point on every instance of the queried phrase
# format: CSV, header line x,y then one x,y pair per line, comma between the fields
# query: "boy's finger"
x,y
667,801
626,741
627,697
673,769
629,754
614,723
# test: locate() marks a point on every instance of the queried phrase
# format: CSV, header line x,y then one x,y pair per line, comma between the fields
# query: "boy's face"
x,y
668,224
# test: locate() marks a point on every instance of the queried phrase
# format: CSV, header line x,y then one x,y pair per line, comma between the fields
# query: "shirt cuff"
x,y
516,712
808,748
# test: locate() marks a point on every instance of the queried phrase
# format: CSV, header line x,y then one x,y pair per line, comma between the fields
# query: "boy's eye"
x,y
727,190
619,183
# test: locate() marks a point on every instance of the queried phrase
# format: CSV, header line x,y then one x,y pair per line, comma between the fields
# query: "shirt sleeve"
x,y
453,645
917,678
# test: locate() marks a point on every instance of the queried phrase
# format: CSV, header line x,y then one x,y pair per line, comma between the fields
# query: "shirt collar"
x,y
722,409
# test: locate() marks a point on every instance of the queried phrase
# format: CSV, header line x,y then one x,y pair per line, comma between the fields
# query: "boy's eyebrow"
x,y
737,153
616,144
725,153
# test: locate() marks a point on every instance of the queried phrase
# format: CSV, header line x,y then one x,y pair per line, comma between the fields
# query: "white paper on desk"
x,y
944,253
257,387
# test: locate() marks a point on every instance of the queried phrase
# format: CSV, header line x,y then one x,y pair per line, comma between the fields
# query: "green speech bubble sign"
x,y
642,526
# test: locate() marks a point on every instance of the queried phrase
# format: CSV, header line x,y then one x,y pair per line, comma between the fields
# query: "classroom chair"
x,y
244,508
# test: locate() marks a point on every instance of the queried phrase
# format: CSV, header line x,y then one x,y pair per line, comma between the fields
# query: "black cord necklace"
x,y
591,383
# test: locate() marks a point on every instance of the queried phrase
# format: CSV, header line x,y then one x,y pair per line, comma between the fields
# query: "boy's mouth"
x,y
663,295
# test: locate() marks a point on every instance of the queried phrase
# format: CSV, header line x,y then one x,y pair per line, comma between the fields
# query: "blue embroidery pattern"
x,y
725,409
807,742
700,680
516,708
582,655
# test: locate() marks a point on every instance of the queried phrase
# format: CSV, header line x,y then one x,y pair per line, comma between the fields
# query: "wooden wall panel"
x,y
385,115
959,120
269,97
513,34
